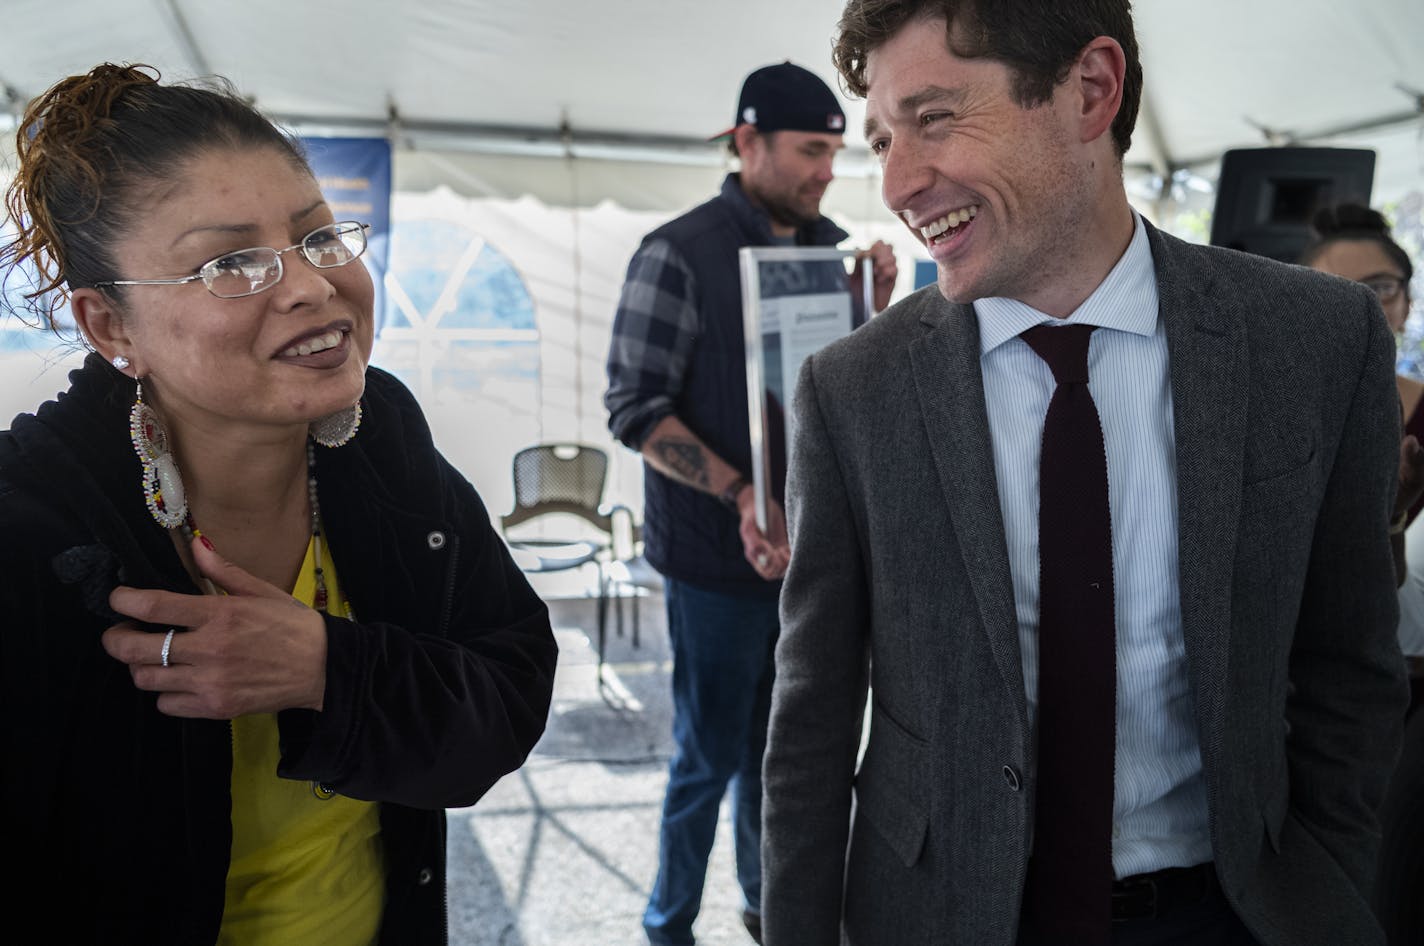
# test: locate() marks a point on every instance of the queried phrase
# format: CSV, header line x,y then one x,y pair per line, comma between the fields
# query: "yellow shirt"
x,y
304,870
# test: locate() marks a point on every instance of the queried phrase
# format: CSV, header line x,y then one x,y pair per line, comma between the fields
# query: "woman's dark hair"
x,y
1039,40
92,148
1355,222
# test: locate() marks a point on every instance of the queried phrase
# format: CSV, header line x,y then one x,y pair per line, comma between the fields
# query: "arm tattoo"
x,y
685,459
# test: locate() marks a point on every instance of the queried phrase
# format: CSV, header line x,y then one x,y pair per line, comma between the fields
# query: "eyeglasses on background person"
x,y
1385,287
250,271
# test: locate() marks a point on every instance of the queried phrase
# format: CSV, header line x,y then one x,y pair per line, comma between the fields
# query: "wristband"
x,y
728,496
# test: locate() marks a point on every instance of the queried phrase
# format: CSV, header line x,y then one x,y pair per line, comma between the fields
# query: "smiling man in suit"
x,y
1102,522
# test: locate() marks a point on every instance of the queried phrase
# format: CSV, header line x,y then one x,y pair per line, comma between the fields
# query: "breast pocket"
x,y
1281,489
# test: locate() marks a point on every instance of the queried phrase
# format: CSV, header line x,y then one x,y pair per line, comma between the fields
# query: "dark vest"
x,y
689,535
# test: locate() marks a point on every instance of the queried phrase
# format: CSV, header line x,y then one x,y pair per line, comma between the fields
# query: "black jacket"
x,y
117,824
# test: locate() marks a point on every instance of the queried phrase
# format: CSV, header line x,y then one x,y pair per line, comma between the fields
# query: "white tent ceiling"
x,y
646,80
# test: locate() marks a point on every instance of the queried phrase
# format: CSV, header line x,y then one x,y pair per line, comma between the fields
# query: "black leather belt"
x,y
1146,896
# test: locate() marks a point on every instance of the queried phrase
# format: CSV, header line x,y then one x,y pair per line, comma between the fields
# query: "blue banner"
x,y
926,273
355,178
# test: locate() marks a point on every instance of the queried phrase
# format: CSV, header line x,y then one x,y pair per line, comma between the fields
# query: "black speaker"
x,y
1265,197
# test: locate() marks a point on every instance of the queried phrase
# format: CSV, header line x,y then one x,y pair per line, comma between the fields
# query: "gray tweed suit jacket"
x,y
1287,433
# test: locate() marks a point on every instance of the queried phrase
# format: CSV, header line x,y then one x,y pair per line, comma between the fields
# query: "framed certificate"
x,y
795,300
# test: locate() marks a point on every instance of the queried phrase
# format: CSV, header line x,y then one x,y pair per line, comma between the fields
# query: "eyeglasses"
x,y
250,271
1385,287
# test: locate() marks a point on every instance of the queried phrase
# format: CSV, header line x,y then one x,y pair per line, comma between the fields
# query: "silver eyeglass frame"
x,y
203,274
1385,287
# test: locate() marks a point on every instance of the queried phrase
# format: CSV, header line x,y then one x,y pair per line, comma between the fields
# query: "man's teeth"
x,y
949,221
313,345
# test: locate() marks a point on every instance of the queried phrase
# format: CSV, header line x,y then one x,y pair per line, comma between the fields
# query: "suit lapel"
x,y
1206,344
945,362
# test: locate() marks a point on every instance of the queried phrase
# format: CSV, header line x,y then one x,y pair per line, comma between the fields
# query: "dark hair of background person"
x,y
1039,40
1355,222
767,136
94,150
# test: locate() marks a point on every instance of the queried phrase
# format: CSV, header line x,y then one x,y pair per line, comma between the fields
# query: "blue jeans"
x,y
722,649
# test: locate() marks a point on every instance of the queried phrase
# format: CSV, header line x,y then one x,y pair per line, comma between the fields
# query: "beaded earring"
x,y
162,486
335,430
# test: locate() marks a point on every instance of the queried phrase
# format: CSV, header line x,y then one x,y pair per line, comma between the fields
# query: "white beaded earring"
x,y
162,486
335,430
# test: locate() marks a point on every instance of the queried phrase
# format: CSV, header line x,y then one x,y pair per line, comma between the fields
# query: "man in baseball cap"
x,y
677,393
787,130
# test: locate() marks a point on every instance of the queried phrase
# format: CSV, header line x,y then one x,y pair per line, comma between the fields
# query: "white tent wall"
x,y
571,263
572,260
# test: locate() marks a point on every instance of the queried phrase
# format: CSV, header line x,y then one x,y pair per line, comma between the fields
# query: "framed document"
x,y
795,300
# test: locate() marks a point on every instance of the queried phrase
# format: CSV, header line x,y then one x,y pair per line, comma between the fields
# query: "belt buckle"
x,y
1134,898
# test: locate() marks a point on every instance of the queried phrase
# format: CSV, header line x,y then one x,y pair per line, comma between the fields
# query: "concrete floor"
x,y
564,851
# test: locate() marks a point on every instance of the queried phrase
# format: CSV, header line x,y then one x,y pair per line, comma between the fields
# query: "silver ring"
x,y
761,559
167,643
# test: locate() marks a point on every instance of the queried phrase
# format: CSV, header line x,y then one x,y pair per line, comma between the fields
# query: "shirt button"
x,y
436,540
1011,778
424,877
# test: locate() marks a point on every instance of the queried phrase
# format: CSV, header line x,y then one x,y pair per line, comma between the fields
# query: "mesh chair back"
x,y
559,477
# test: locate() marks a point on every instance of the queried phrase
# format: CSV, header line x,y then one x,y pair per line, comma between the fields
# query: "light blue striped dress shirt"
x,y
1160,807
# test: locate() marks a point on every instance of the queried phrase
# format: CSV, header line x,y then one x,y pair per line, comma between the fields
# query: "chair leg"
x,y
602,619
615,592
635,605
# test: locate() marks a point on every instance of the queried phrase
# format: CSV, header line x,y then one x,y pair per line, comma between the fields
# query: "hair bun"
x,y
1348,218
67,113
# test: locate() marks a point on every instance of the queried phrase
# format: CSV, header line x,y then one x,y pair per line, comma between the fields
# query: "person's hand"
x,y
255,650
884,269
1411,475
768,552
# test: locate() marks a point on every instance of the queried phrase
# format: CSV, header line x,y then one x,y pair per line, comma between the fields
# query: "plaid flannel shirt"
x,y
653,334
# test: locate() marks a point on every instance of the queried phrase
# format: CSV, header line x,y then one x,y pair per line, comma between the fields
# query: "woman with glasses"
x,y
257,633
1354,241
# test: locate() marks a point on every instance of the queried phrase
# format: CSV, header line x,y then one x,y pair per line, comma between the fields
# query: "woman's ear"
x,y
103,324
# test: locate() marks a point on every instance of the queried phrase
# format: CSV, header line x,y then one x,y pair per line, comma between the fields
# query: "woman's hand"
x,y
254,650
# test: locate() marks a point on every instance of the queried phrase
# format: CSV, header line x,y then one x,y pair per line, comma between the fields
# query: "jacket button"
x,y
436,540
1011,778
424,877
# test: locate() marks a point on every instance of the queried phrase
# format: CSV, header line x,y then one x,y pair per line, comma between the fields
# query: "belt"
x,y
1147,896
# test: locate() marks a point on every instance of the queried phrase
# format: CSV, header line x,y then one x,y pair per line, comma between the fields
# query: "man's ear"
x,y
1098,74
748,141
103,324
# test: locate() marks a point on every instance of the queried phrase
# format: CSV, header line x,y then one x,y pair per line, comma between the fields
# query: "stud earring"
x,y
162,486
120,362
335,430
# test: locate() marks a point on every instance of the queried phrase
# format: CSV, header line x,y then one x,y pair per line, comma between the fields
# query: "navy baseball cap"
x,y
785,97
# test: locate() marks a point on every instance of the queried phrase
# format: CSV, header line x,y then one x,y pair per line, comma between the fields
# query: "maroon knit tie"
x,y
1069,887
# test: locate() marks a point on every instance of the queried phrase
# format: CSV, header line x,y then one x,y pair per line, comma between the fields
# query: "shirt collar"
x,y
1125,300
